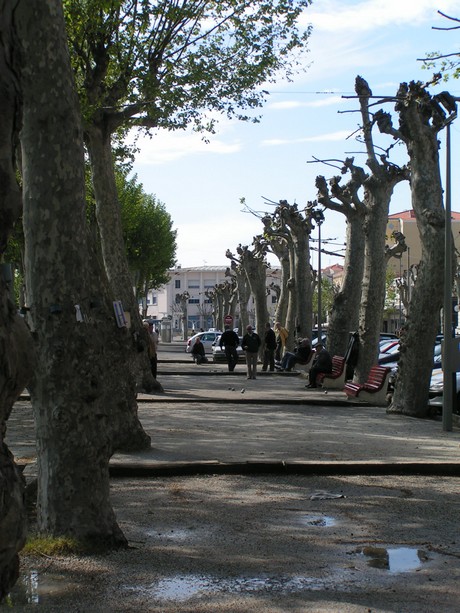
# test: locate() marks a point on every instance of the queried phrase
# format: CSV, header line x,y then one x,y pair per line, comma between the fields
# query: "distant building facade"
x,y
406,223
191,284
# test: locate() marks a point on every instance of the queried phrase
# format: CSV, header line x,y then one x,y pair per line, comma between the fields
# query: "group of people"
x,y
274,355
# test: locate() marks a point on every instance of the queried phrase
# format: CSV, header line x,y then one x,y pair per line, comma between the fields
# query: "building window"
x,y
177,284
194,301
273,299
194,284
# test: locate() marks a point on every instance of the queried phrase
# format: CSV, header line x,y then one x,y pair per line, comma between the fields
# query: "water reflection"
x,y
394,559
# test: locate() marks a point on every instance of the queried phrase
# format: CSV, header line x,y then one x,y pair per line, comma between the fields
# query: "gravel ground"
x,y
265,543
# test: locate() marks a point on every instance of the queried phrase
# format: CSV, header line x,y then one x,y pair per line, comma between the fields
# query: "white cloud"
x,y
332,136
166,147
367,15
295,104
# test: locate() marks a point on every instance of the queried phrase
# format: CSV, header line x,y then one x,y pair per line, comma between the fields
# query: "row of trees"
x,y
364,200
132,64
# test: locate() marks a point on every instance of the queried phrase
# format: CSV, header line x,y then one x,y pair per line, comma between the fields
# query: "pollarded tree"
x,y
421,118
279,246
295,227
378,189
345,199
168,64
243,288
79,393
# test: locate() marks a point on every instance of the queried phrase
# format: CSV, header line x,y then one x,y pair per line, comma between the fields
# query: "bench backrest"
x,y
338,363
377,375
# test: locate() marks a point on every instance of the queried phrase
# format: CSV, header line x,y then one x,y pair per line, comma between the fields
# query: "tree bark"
x,y
420,121
378,189
108,214
78,401
345,200
16,347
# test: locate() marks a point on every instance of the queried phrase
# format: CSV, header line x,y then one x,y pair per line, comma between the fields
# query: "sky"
x,y
201,184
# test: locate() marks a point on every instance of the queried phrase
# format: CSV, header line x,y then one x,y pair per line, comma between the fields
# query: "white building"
x,y
163,303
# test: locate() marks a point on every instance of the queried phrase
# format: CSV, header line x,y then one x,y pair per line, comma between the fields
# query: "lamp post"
x,y
318,216
449,102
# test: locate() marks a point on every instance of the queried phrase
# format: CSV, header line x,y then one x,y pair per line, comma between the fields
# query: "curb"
x,y
214,467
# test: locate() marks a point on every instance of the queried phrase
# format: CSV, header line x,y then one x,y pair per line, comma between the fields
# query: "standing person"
x,y
152,347
198,352
322,362
229,339
251,343
269,348
281,336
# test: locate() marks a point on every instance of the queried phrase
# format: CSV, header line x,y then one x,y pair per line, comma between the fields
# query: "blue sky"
x,y
201,184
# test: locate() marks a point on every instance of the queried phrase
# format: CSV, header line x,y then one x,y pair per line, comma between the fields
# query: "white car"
x,y
207,338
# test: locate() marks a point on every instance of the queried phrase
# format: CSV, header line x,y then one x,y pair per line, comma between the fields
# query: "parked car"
x,y
207,338
437,390
389,354
218,354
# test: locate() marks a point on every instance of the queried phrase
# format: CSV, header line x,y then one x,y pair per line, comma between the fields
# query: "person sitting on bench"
x,y
300,356
322,363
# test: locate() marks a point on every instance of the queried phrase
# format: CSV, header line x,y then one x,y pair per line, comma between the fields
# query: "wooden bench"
x,y
374,390
336,378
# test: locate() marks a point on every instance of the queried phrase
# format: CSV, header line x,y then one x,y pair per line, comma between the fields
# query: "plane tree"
x,y
243,288
378,188
78,391
16,345
346,200
170,64
421,118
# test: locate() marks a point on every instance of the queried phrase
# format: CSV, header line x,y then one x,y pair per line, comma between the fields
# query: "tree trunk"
x,y
16,347
108,214
76,392
345,309
419,125
377,199
378,188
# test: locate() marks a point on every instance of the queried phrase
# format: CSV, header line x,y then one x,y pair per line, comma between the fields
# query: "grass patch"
x,y
52,545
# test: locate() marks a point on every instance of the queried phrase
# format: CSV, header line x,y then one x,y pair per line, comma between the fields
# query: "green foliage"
x,y
327,297
166,63
150,241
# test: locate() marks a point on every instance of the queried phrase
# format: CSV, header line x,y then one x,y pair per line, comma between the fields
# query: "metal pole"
x,y
449,374
319,283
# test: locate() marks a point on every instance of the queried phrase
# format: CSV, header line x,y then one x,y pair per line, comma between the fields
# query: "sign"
x,y
228,320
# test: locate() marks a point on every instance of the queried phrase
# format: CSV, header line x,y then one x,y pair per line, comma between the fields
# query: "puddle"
x,y
395,559
35,589
322,521
181,588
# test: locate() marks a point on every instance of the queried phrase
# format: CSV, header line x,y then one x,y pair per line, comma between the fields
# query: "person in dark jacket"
x,y
269,348
301,355
229,339
322,362
198,352
251,343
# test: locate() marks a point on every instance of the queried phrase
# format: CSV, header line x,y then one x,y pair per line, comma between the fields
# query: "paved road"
x,y
209,420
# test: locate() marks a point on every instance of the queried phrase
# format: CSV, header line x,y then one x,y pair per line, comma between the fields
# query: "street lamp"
x,y
449,102
318,216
